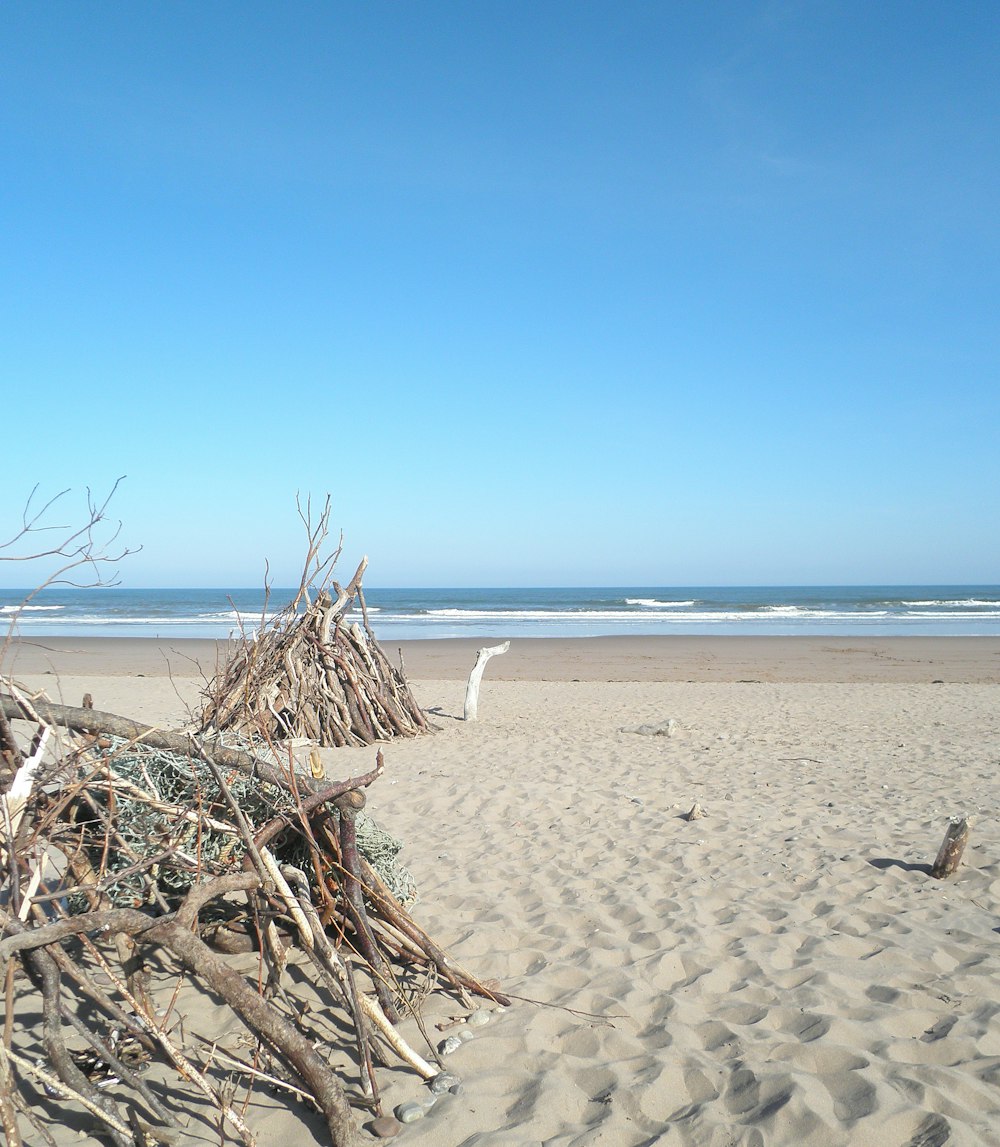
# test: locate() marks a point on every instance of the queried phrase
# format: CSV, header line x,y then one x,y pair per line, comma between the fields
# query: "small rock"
x,y
663,729
447,1046
443,1081
410,1112
478,1018
696,813
385,1127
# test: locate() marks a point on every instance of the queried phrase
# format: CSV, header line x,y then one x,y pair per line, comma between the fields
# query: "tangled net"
x,y
170,816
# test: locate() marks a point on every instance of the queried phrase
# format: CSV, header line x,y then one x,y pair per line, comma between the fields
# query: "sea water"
x,y
404,614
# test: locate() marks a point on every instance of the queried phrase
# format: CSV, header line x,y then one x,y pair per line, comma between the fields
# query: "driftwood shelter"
x,y
316,672
132,858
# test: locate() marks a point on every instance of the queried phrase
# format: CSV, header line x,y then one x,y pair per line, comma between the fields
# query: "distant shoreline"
x,y
404,615
636,658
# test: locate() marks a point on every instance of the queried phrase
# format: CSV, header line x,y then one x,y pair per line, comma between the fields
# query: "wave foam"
x,y
964,603
29,608
653,603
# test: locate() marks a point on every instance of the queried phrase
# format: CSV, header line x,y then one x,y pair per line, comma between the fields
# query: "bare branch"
x,y
77,545
317,568
84,557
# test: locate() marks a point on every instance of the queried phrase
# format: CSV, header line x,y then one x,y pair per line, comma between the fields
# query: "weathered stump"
x,y
949,855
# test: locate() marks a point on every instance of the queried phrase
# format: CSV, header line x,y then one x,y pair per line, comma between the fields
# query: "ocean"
x,y
404,614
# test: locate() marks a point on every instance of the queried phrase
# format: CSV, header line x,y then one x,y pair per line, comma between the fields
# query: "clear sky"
x,y
612,293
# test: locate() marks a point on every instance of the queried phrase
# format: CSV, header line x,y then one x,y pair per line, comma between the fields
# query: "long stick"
x,y
45,974
8,1116
265,1021
68,1092
93,721
348,806
338,969
389,907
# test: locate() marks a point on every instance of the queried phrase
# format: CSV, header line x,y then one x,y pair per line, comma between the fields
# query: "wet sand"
x,y
949,659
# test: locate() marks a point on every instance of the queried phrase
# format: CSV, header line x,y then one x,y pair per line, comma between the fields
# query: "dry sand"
x,y
782,971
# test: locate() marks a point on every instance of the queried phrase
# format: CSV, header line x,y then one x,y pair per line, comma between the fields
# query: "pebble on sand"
x,y
442,1082
385,1127
410,1112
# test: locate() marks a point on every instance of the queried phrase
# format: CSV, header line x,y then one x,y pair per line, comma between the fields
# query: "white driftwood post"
x,y
472,690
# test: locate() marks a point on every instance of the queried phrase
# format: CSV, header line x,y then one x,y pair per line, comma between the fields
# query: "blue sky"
x,y
541,293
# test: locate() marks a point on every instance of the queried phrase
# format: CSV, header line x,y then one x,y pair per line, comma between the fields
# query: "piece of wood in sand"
x,y
949,855
476,676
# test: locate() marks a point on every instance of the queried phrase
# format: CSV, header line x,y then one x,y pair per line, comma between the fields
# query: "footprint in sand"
x,y
742,1092
754,1098
595,1081
805,1026
916,1129
791,978
699,1086
744,1015
582,1042
715,1035
853,1096
882,994
913,1022
650,941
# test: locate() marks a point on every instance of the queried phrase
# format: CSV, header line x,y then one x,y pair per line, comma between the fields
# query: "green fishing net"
x,y
162,802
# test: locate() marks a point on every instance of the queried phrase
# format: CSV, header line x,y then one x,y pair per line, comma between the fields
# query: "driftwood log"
x,y
95,722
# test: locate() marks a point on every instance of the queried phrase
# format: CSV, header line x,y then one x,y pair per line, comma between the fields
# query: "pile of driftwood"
x,y
311,672
127,851
110,862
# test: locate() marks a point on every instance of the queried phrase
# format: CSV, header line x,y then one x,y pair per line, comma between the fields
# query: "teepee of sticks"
x,y
313,672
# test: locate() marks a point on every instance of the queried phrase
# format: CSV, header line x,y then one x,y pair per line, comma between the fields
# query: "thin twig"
x,y
67,1092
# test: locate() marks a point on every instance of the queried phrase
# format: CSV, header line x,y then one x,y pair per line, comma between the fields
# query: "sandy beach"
x,y
818,659
783,970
